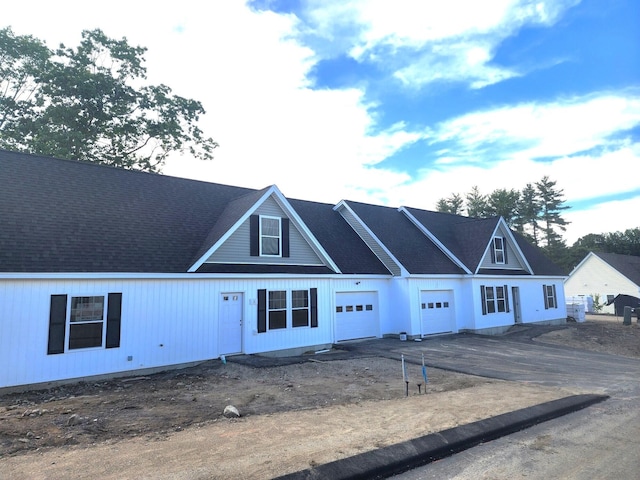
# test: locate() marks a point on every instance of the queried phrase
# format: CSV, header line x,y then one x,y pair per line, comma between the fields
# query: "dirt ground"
x,y
171,425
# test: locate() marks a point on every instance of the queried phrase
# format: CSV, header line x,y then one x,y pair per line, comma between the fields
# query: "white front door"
x,y
517,313
230,323
436,307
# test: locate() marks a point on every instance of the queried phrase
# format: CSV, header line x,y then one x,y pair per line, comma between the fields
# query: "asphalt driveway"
x,y
597,442
515,356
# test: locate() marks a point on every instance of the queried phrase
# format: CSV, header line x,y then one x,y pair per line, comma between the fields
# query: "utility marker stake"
x,y
424,374
405,376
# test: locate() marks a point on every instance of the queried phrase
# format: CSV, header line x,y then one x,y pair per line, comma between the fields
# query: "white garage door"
x,y
436,308
356,315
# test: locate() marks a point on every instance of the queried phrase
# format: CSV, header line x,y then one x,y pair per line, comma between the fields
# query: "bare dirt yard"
x,y
171,425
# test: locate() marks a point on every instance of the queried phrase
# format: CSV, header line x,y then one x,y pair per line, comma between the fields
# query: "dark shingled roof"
x,y
465,237
342,243
417,253
540,264
627,265
67,216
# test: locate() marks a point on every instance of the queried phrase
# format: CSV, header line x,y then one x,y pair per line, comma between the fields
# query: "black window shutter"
x,y
262,311
314,307
483,296
555,298
504,249
506,298
254,235
493,251
57,323
114,311
285,237
544,294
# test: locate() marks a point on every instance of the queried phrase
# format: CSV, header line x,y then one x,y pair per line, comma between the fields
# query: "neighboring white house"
x,y
605,277
107,271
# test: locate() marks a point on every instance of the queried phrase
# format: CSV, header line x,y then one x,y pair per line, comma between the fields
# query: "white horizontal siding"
x,y
236,248
597,277
513,259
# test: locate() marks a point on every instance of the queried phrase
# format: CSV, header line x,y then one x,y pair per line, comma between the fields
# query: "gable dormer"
x,y
262,231
503,253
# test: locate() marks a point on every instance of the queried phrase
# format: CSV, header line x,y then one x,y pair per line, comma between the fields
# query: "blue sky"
x,y
396,103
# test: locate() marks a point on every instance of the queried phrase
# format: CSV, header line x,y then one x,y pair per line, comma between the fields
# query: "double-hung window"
x,y
86,322
277,309
494,299
499,254
270,236
300,308
79,322
550,298
282,309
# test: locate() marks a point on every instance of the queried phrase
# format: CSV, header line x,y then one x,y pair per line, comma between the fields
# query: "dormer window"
x,y
498,252
270,236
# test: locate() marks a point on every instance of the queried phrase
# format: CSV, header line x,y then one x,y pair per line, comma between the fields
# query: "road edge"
x,y
404,456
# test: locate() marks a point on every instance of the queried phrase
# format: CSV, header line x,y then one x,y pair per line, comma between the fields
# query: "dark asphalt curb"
x,y
401,457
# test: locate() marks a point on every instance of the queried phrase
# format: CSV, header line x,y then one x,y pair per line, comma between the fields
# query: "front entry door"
x,y
230,323
517,313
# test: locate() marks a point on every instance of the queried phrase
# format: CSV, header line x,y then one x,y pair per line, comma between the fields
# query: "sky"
x,y
397,103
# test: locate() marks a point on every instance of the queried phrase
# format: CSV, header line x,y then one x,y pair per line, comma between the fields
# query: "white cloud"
x,y
454,40
614,216
537,130
251,75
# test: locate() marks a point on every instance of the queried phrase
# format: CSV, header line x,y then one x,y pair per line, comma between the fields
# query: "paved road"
x,y
602,441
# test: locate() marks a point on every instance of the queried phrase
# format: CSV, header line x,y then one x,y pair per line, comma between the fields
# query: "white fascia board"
x,y
343,204
286,206
230,232
179,276
434,239
516,247
582,262
513,242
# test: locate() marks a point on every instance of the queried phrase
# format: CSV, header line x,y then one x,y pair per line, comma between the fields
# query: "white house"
x,y
106,271
611,277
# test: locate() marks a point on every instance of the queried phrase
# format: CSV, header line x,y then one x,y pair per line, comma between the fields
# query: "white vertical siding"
x,y
531,301
418,285
164,322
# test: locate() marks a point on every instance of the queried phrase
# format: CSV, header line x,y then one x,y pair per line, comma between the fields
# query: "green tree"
x,y
551,204
91,103
528,214
22,61
476,203
452,204
504,203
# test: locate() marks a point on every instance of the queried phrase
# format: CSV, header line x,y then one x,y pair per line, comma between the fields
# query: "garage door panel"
x,y
436,309
356,315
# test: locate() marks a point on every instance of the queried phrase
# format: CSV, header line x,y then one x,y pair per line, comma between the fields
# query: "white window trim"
x,y
307,308
551,297
495,301
286,309
500,251
67,337
279,237
289,308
